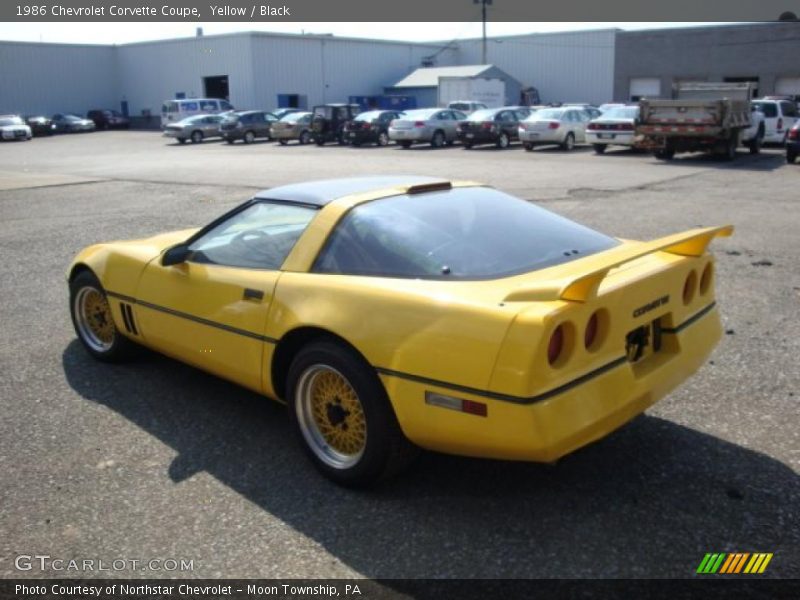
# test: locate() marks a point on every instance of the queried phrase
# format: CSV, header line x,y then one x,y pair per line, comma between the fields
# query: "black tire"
x,y
383,139
181,140
305,138
405,144
438,139
384,450
284,142
569,142
503,141
197,137
528,146
230,141
599,148
791,157
320,141
119,348
249,137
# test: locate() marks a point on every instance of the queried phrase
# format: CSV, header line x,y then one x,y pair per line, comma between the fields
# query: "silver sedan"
x,y
437,126
195,128
562,126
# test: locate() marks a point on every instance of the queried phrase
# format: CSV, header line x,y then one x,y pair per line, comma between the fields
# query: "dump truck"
x,y
701,117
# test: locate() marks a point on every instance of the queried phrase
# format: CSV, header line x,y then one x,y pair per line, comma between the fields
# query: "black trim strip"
x,y
695,317
188,317
507,397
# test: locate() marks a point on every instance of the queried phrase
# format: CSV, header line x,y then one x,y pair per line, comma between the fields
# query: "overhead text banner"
x,y
407,10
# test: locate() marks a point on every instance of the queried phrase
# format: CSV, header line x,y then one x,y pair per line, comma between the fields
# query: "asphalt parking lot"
x,y
154,459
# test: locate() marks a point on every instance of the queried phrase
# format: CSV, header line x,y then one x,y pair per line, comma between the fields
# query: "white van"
x,y
179,109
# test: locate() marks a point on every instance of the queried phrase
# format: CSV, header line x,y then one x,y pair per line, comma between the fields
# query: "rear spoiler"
x,y
582,286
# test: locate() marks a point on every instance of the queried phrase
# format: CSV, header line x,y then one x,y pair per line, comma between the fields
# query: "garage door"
x,y
787,86
645,87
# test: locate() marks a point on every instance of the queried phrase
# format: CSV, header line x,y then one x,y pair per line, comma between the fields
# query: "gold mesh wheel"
x,y
93,318
331,416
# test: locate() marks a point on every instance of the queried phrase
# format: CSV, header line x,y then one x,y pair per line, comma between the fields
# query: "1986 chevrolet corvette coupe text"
x,y
394,313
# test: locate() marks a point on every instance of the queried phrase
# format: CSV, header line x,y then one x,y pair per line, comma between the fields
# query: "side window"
x,y
208,105
788,109
188,106
225,105
442,116
459,116
258,237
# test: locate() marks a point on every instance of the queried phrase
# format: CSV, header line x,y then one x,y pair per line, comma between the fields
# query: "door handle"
x,y
251,294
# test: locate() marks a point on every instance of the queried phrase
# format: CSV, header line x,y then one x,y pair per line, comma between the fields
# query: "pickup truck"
x,y
701,117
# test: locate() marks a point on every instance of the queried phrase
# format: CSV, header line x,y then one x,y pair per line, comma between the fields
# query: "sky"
x,y
122,33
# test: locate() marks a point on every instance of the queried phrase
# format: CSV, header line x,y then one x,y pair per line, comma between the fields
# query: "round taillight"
x,y
556,345
689,287
706,278
590,334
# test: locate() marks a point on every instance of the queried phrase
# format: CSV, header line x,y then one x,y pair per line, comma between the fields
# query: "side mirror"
x,y
175,255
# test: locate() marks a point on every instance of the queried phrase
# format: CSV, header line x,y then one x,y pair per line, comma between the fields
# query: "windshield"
x,y
421,114
369,116
486,114
11,121
463,233
294,117
548,113
626,112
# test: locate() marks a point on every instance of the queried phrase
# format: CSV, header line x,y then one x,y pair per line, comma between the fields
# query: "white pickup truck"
x,y
702,117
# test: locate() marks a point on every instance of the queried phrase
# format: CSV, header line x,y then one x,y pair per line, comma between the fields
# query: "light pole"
x,y
484,4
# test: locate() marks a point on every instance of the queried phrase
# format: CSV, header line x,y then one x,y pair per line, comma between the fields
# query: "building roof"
x,y
320,193
429,76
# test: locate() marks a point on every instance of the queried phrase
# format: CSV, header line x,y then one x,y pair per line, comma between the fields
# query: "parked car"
x,y
615,127
246,125
196,128
436,126
498,126
371,127
282,112
108,119
565,126
793,143
389,312
72,124
40,125
466,106
293,126
12,127
779,117
609,105
328,121
593,111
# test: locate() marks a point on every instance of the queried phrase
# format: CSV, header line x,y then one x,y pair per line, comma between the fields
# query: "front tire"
x,y
249,137
343,417
437,141
383,139
599,148
503,141
569,142
94,322
197,137
304,138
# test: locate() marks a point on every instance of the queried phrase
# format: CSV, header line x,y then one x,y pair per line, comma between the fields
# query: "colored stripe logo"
x,y
734,563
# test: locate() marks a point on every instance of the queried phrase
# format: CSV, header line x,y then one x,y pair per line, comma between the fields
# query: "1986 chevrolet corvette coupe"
x,y
398,312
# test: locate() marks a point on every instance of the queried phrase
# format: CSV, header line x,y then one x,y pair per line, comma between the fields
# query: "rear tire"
x,y
197,137
503,141
383,139
665,153
569,142
249,137
437,141
405,145
343,417
93,321
229,141
528,147
181,140
284,142
599,148
305,138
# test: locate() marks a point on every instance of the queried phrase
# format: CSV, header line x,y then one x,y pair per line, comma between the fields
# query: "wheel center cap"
x,y
336,413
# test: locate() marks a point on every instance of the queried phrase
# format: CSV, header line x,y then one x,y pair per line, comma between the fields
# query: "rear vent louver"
x,y
127,317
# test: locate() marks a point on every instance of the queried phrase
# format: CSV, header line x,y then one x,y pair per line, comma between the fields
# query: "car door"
x,y
210,310
455,117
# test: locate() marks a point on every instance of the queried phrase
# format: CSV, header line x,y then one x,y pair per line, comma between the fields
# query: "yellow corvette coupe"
x,y
391,313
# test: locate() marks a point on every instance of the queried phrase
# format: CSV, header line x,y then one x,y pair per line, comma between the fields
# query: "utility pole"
x,y
483,4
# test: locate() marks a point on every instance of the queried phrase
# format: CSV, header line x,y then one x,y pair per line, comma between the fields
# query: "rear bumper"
x,y
410,135
549,426
545,136
477,137
618,139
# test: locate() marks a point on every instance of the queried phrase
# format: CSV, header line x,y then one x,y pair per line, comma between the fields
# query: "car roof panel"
x,y
320,193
